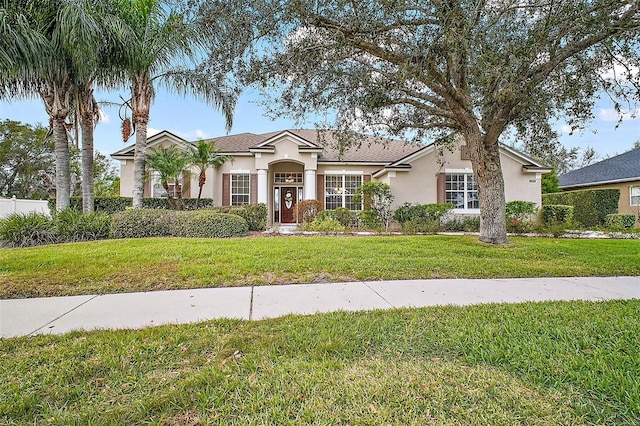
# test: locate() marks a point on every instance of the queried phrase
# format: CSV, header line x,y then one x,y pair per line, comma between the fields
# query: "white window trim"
x,y
231,193
343,195
343,172
631,188
465,210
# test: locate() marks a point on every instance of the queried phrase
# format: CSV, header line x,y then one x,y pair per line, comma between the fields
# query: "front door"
x,y
288,198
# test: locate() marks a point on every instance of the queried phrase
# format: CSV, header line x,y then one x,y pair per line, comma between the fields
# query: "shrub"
x,y
519,216
73,226
590,207
429,212
369,219
209,224
307,210
556,214
620,221
346,217
467,224
111,205
323,224
377,197
142,223
255,215
26,230
421,225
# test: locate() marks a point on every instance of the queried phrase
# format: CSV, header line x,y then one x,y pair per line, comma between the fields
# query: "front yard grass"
x,y
170,263
551,363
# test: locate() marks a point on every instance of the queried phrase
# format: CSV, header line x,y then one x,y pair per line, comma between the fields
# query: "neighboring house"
x,y
620,172
282,168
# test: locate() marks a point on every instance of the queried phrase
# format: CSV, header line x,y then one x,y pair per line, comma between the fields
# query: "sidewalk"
x,y
57,315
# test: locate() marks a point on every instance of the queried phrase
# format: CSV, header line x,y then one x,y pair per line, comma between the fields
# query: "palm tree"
x,y
205,155
160,44
170,163
47,50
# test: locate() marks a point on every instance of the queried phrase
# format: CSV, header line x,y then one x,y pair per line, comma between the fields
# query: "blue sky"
x,y
192,120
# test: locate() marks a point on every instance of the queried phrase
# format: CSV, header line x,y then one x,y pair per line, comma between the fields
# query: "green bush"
x,y
556,214
429,212
590,207
467,224
255,215
27,230
346,217
209,224
421,225
519,216
323,224
369,219
111,205
142,223
73,226
620,221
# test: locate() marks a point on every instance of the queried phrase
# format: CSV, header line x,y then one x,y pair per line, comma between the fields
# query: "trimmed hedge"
x,y
422,212
143,223
111,205
556,214
344,216
209,224
620,221
590,206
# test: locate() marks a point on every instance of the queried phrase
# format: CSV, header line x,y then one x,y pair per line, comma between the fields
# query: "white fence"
x,y
13,205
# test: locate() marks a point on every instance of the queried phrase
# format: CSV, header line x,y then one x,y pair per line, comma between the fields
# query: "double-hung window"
x,y
461,190
339,191
634,195
240,189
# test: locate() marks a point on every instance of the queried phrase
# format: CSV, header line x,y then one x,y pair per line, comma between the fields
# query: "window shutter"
x,y
253,189
226,189
464,152
320,190
367,199
367,178
186,184
441,188
147,185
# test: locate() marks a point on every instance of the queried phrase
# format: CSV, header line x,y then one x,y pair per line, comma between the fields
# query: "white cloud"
x,y
191,135
151,131
610,114
566,129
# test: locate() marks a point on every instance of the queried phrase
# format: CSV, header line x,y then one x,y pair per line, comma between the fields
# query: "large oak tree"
x,y
444,68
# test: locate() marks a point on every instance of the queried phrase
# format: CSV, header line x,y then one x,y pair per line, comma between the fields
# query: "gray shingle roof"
x,y
370,150
619,168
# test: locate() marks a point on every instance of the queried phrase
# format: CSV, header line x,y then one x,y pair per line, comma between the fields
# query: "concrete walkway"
x,y
57,315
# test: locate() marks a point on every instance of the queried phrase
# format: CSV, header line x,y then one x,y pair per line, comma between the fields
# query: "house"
x,y
281,168
620,172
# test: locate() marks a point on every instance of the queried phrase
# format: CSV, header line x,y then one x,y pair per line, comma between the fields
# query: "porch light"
x,y
289,179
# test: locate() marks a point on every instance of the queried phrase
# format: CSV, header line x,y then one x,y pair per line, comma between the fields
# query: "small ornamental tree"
x,y
170,163
378,197
204,155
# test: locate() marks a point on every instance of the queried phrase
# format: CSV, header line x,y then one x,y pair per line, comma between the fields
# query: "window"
x,y
158,191
634,195
340,190
461,189
287,177
239,189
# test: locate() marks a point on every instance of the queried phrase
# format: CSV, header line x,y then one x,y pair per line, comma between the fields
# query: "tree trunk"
x,y
88,110
63,169
485,155
201,181
142,94
56,98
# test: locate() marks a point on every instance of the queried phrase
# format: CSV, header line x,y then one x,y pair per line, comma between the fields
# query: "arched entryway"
x,y
287,187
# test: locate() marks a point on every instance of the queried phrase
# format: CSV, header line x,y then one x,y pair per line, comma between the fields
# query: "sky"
x,y
193,120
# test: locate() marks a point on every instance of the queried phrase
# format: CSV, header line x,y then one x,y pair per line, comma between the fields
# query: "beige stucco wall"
x,y
419,184
126,178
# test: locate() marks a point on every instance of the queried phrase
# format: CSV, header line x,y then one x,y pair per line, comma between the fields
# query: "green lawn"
x,y
171,263
552,363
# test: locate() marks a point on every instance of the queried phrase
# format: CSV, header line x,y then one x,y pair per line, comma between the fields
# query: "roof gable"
x,y
623,167
152,142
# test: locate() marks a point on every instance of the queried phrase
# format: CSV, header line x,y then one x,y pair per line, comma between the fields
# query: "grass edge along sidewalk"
x,y
115,266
